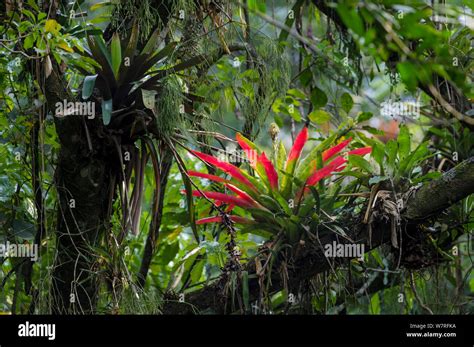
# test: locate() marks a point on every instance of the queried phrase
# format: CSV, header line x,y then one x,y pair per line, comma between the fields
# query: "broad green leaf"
x,y
377,179
391,148
318,98
51,26
378,153
88,86
360,163
296,93
29,41
408,73
375,304
106,111
351,18
148,97
319,116
256,5
364,116
404,142
347,102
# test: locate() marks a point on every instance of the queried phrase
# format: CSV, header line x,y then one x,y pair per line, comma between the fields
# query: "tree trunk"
x,y
82,178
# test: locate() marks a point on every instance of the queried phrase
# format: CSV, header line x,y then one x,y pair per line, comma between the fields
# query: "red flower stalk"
x,y
241,194
336,149
249,149
360,151
208,176
297,148
232,170
269,170
228,199
326,171
218,219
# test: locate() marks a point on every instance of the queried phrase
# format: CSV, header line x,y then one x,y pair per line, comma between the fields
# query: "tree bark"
x,y
82,180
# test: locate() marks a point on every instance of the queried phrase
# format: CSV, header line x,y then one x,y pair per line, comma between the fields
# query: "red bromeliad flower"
x,y
268,192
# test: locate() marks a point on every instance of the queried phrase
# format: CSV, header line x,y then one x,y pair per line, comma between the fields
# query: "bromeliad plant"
x,y
130,80
281,199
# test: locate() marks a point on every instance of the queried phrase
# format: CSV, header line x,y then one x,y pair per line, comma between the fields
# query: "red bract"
x,y
295,152
241,194
269,170
228,199
338,161
230,169
336,149
248,148
360,151
318,175
205,175
218,219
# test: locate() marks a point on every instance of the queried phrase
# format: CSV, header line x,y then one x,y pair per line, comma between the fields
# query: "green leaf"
x,y
319,116
88,86
375,304
29,41
131,44
116,54
281,157
295,114
351,18
373,130
290,19
364,116
151,43
101,5
360,163
306,76
296,93
404,142
318,98
378,153
377,179
346,102
23,229
408,73
99,41
391,149
148,97
106,111
256,5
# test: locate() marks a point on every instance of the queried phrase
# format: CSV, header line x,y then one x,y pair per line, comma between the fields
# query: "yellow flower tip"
x,y
274,130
